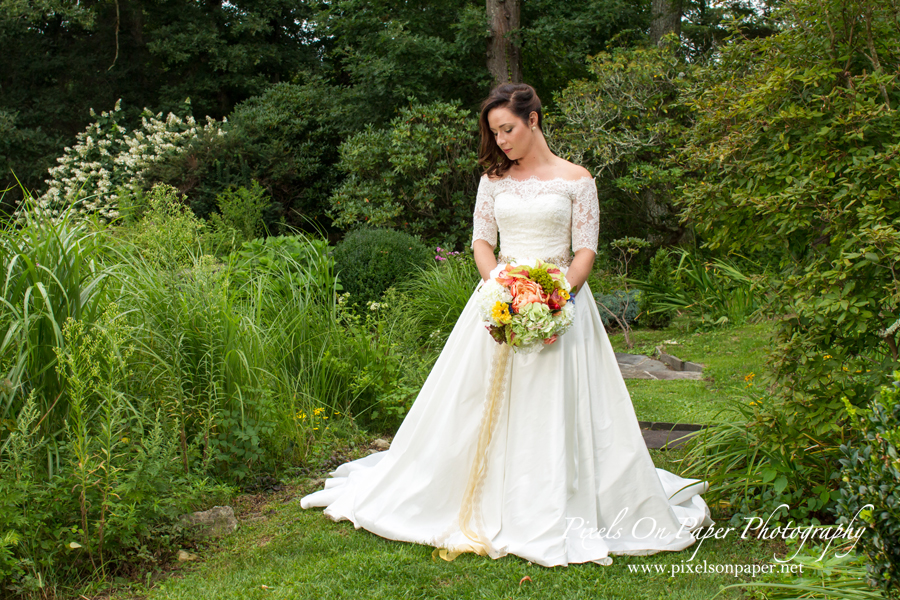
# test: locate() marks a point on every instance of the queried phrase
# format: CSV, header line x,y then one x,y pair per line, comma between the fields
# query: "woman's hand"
x,y
580,268
484,258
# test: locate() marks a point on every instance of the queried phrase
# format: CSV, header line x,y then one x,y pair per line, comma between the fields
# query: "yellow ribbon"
x,y
470,508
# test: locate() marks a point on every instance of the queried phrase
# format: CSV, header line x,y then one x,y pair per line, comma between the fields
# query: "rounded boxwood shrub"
x,y
616,302
871,486
369,260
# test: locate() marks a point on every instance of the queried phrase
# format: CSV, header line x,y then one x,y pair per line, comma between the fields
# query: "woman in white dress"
x,y
538,455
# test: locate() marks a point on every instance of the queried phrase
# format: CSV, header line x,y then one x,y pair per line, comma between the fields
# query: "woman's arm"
x,y
580,268
484,258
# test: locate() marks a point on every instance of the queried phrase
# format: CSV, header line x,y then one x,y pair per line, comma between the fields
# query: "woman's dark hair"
x,y
521,100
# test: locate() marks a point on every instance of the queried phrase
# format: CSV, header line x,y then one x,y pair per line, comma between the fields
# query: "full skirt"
x,y
536,455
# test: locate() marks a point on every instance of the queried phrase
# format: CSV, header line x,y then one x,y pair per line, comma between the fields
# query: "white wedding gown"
x,y
537,455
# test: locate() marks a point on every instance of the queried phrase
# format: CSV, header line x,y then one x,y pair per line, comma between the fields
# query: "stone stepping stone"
x,y
664,367
667,435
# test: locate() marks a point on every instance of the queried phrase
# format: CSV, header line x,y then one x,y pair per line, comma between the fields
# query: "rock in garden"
x,y
381,444
184,556
215,522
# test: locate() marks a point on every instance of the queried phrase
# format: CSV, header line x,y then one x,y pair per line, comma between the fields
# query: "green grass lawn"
x,y
283,551
729,356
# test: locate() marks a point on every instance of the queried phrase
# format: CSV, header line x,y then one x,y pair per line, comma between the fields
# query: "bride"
x,y
538,455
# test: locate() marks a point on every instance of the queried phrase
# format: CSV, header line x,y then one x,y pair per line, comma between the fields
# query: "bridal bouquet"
x,y
527,306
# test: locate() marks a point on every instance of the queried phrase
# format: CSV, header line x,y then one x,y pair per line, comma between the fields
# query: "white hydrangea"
x,y
490,294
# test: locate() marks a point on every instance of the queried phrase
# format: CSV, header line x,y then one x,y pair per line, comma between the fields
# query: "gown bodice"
x,y
537,218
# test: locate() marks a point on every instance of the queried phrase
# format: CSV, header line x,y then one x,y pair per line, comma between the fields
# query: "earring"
x,y
532,128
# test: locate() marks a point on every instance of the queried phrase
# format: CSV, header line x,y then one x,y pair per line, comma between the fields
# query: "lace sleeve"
x,y
585,215
485,225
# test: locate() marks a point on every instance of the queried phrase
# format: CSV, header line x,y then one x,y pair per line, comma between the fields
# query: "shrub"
x,y
203,359
774,164
370,260
761,457
871,476
240,217
659,278
168,234
286,138
419,175
437,295
714,292
622,122
109,158
290,260
112,498
621,303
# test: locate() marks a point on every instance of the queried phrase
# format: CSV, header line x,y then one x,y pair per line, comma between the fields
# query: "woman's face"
x,y
512,135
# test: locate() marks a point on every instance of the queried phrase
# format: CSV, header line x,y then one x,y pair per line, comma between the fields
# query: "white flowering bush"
x,y
109,159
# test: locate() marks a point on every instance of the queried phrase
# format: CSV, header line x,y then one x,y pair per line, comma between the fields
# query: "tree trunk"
x,y
666,15
504,59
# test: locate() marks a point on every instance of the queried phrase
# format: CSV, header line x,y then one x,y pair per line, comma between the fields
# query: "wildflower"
x,y
439,258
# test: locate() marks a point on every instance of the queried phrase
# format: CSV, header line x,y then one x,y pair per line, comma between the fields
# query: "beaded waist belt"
x,y
560,261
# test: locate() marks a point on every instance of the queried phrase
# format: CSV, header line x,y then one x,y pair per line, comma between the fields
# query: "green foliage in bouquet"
x,y
418,175
871,476
369,260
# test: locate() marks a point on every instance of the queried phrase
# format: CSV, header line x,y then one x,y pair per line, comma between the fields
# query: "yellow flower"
x,y
827,356
563,294
500,313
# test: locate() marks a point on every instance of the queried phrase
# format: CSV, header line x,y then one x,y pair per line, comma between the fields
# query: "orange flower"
x,y
524,292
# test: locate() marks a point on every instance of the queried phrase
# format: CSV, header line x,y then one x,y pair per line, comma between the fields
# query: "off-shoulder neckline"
x,y
536,178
